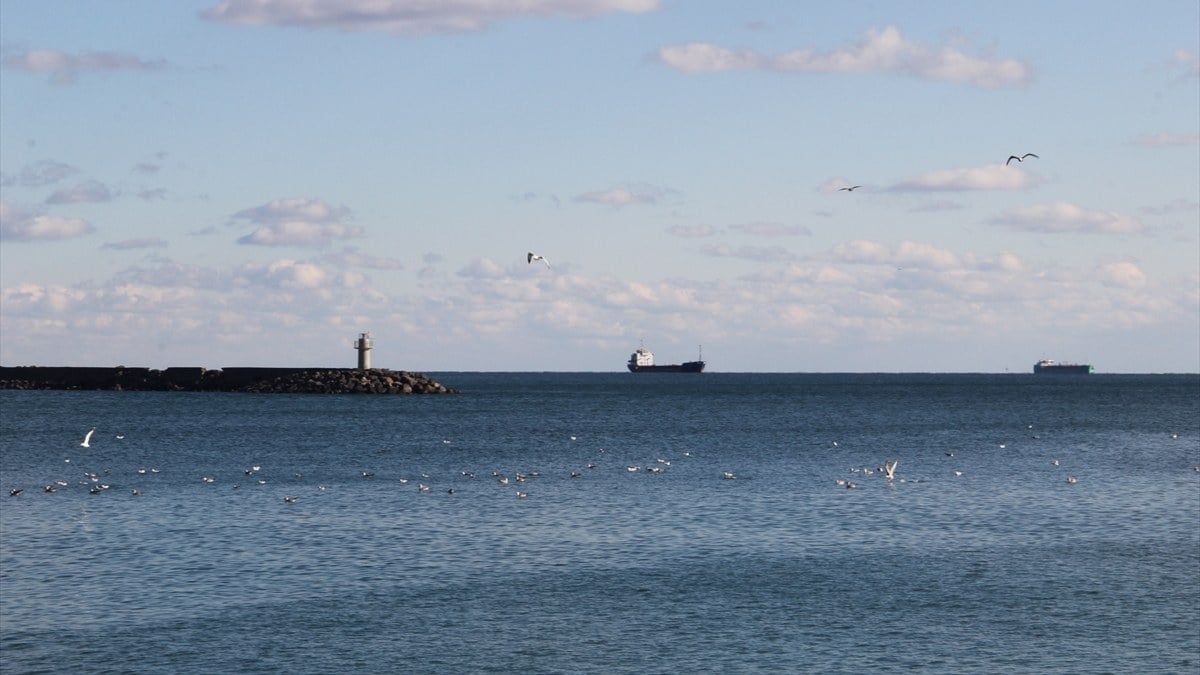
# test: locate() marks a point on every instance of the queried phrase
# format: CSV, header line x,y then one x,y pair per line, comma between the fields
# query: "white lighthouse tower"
x,y
364,344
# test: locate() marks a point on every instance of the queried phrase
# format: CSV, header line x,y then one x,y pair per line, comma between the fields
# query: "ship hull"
x,y
1081,369
688,367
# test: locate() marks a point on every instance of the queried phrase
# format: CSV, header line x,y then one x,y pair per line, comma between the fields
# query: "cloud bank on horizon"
x,y
256,182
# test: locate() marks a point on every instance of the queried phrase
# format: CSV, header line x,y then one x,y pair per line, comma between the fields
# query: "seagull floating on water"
x,y
1021,158
87,438
531,256
1071,480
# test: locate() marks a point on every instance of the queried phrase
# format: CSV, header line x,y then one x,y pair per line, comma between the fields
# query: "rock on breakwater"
x,y
370,381
255,380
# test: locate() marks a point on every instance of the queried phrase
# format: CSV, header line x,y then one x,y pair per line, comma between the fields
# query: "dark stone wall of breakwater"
x,y
254,380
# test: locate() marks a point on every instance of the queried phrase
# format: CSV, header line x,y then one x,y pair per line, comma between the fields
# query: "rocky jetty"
x,y
253,380
371,381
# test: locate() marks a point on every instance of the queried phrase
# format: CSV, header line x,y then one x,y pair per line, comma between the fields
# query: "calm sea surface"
x,y
978,557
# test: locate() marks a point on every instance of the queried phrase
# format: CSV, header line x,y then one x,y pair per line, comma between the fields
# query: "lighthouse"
x,y
363,344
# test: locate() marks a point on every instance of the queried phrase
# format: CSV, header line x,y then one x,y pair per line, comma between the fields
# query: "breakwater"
x,y
252,380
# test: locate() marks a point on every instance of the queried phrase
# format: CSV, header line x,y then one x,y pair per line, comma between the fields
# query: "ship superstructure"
x,y
642,361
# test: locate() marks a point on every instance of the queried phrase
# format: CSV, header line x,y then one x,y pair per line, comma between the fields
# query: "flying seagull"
x,y
890,469
849,189
531,256
87,439
1021,158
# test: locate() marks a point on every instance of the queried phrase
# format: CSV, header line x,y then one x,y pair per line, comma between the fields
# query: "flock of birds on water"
x,y
96,482
531,256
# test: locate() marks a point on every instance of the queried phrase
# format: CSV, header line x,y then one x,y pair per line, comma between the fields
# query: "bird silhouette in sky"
x,y
1021,158
531,256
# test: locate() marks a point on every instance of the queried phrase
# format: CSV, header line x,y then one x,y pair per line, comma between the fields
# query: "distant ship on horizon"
x,y
642,361
1052,366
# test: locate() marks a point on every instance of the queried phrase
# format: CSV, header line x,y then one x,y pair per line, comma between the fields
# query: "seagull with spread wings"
x,y
889,469
531,256
1021,158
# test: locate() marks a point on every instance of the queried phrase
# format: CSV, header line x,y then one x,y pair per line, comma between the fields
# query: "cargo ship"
x,y
642,361
1051,366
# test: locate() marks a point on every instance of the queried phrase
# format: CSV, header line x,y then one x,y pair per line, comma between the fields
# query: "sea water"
x,y
670,523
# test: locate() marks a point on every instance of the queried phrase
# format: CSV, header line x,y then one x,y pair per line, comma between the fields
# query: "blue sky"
x,y
237,183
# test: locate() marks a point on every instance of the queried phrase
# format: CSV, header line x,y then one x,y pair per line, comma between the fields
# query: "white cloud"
x,y
623,197
905,254
861,251
990,177
772,229
1172,207
45,172
757,253
937,206
1188,61
87,192
18,226
1167,140
704,57
853,293
1122,275
913,254
297,222
285,274
482,268
127,244
65,68
27,297
1062,217
284,210
351,257
409,17
879,50
692,231
300,233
